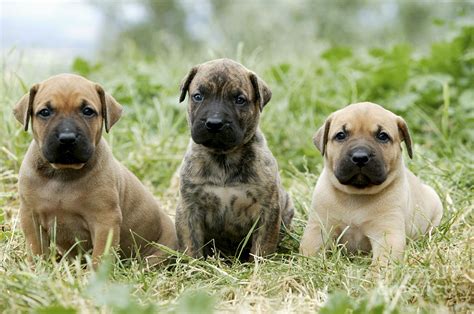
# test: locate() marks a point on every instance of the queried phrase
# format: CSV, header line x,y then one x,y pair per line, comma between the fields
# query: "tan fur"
x,y
379,217
77,206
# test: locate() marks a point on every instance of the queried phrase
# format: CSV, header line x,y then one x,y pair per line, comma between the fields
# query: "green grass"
x,y
433,92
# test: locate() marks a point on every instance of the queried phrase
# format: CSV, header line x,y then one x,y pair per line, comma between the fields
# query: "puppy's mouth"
x,y
360,179
222,141
218,145
67,158
67,166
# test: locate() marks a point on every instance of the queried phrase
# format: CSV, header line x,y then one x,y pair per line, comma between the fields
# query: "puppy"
x,y
229,182
365,195
72,190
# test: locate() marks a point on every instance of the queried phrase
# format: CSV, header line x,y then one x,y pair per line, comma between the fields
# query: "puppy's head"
x,y
66,113
361,145
225,101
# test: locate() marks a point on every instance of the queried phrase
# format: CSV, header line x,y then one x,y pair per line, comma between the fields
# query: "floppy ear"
x,y
24,107
320,139
405,135
111,109
183,87
263,94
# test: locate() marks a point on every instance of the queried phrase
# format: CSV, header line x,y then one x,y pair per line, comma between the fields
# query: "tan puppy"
x,y
365,196
72,190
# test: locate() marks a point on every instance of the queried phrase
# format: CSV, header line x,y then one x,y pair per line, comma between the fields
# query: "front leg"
x,y
37,239
319,232
312,239
388,240
190,231
105,229
265,238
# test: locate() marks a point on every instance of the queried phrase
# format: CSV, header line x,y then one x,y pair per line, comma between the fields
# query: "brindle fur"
x,y
224,193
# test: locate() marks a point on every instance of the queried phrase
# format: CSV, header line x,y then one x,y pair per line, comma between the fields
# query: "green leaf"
x,y
336,54
81,66
196,303
279,71
56,309
338,303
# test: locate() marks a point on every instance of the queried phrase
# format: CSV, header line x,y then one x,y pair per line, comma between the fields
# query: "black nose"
x,y
360,157
214,124
67,138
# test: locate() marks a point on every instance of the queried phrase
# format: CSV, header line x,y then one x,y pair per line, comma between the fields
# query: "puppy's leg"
x,y
265,238
168,233
167,238
102,230
317,234
189,228
388,240
37,239
312,239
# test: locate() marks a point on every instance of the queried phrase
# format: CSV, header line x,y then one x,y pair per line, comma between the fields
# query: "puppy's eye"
x,y
198,97
340,136
383,137
88,111
44,113
240,100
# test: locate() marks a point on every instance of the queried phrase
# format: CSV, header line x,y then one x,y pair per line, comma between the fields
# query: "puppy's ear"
x,y
111,109
23,109
405,135
263,94
320,139
184,85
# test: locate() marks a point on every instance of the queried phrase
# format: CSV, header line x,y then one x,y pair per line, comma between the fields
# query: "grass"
x,y
432,91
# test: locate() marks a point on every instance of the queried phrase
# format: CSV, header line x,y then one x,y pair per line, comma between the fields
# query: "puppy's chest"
x,y
359,210
59,210
230,208
53,196
61,206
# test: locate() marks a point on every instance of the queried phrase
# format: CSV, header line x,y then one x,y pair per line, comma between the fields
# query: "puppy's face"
x,y
361,144
67,113
225,100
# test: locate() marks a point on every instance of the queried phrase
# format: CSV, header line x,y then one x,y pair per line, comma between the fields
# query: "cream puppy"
x,y
365,196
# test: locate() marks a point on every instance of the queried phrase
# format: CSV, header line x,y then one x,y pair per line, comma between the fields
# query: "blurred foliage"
x,y
340,303
116,296
197,302
279,27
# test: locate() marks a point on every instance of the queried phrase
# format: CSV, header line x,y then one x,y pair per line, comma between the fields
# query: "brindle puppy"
x,y
229,181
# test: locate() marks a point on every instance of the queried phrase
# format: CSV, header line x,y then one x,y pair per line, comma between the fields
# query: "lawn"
x,y
432,90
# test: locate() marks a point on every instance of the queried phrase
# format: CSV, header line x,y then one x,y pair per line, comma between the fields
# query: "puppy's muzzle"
x,y
360,168
67,144
216,130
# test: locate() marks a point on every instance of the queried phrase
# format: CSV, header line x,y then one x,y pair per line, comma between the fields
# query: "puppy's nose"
x,y
67,137
360,157
214,124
